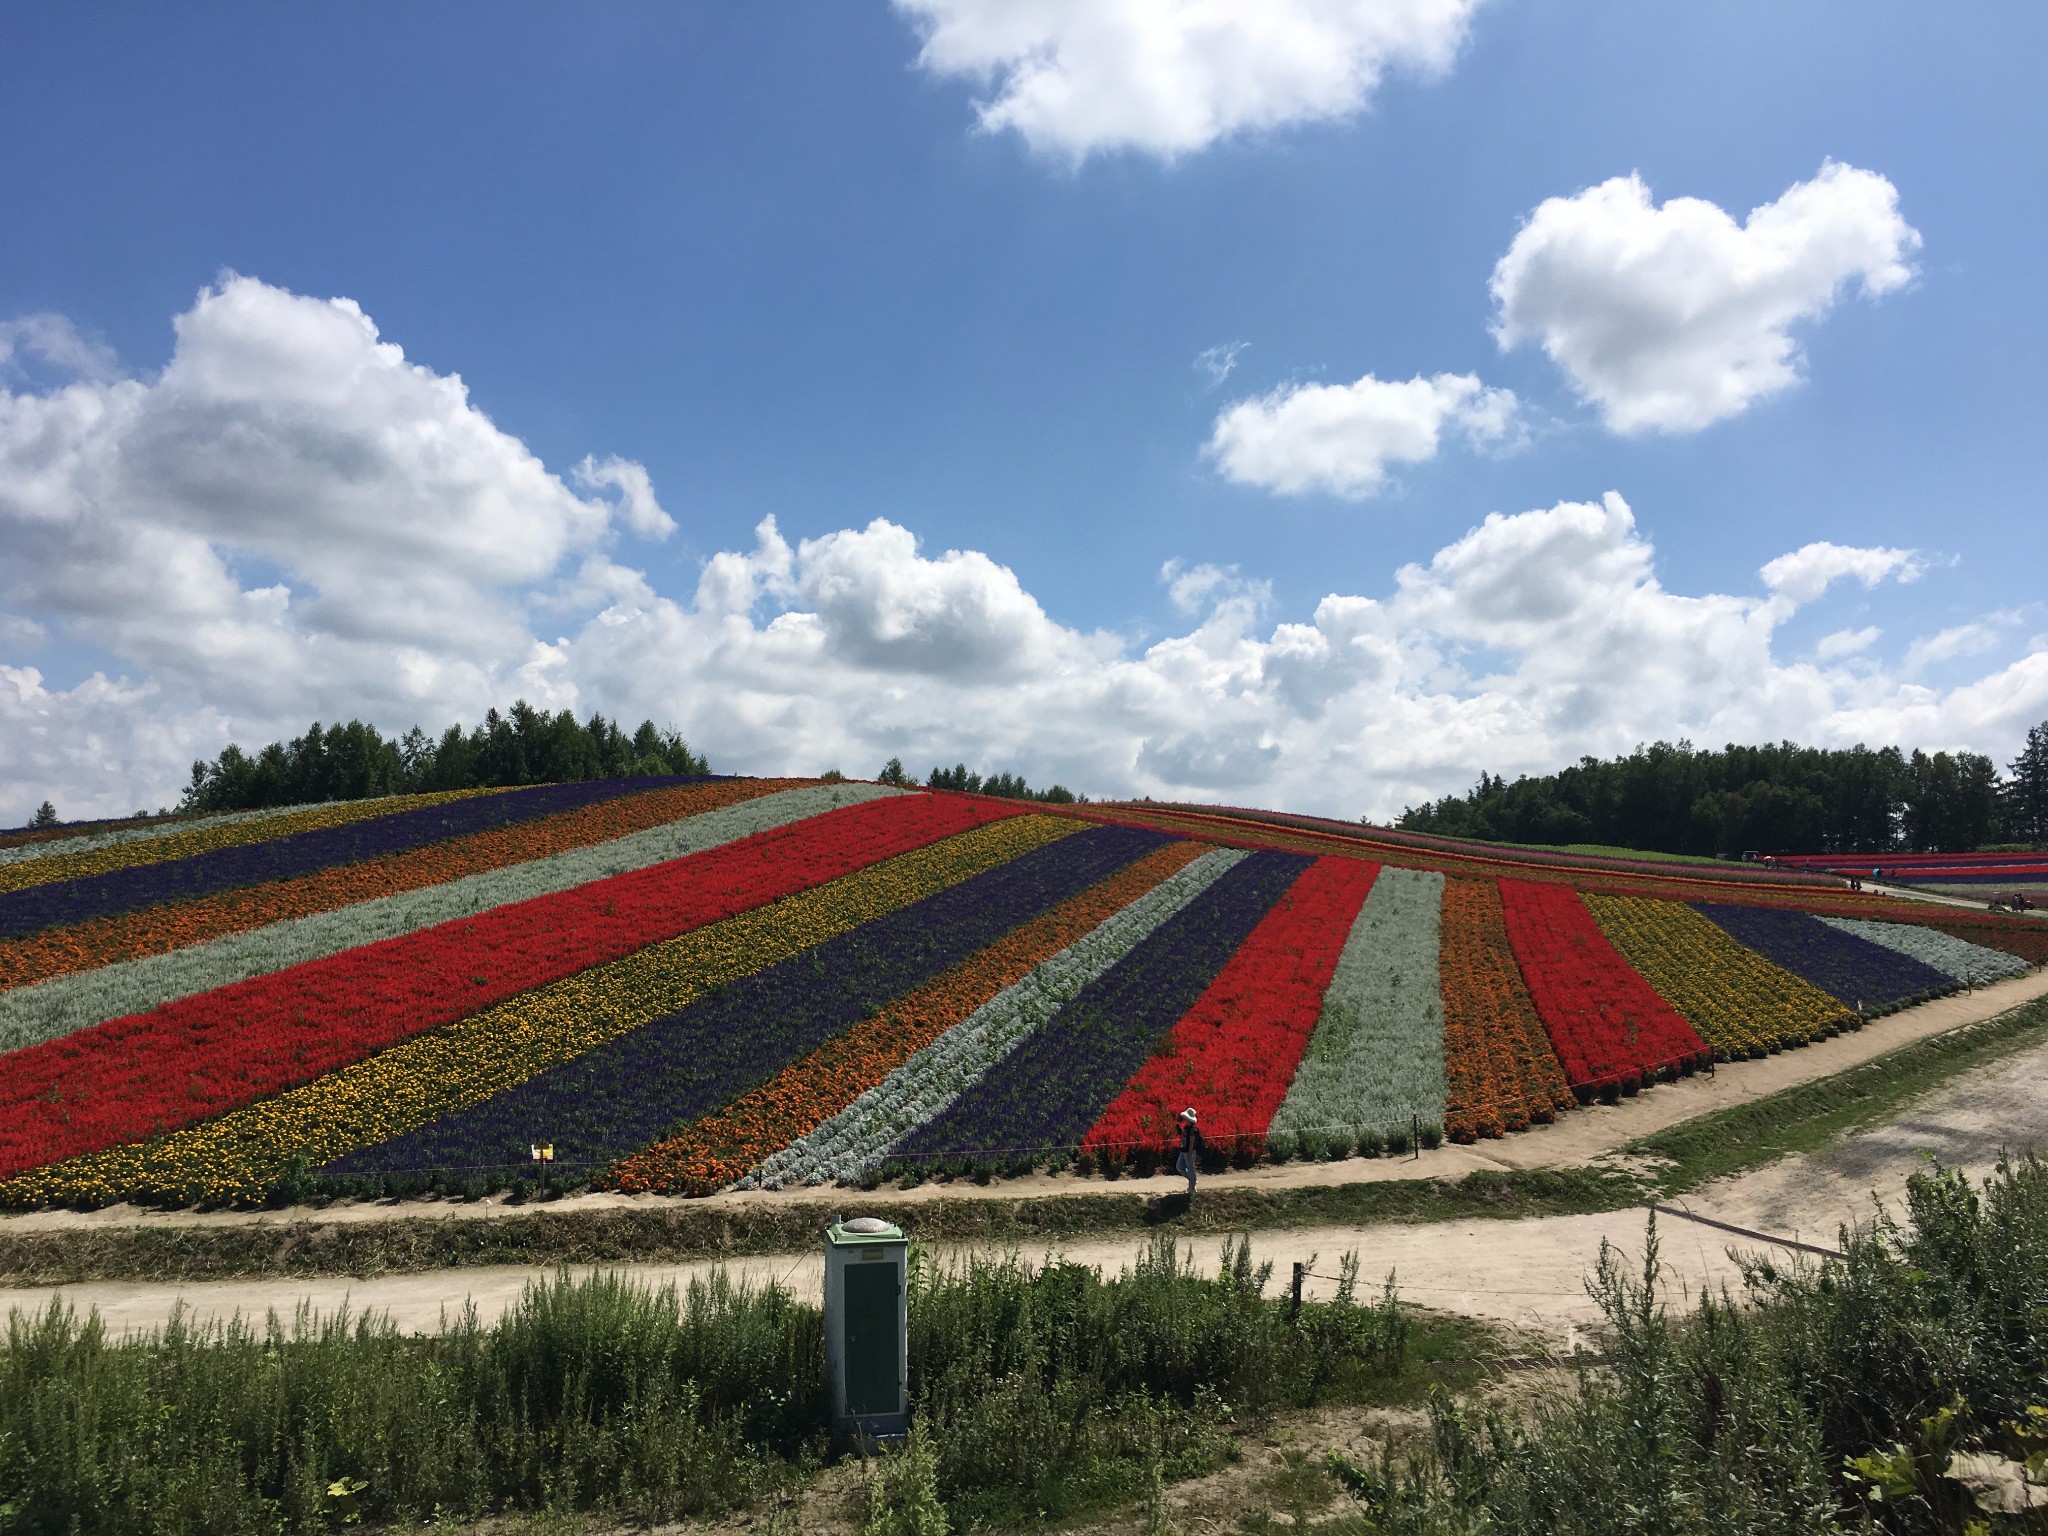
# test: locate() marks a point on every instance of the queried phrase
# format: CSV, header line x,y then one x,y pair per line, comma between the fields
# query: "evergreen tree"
x,y
2024,805
892,773
1676,798
1006,785
956,777
45,816
524,745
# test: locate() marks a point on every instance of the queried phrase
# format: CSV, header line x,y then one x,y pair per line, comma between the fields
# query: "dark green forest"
x,y
1664,798
1781,799
354,762
524,745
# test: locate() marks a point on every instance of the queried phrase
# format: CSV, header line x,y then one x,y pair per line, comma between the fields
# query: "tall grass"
x,y
1052,1389
1038,1388
1884,1392
591,1392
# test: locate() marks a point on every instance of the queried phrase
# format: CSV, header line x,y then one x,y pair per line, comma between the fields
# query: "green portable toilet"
x,y
867,1340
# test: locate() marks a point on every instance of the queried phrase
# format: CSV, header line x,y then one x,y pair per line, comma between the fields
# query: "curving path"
x,y
1527,1274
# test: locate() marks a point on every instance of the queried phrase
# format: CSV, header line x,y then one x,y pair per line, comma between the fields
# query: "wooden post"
x,y
1415,1139
1294,1307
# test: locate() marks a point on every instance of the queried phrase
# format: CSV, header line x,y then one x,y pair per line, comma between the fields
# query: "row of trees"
x,y
1008,786
1782,799
353,761
524,745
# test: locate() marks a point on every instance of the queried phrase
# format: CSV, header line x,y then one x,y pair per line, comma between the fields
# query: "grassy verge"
x,y
671,1233
1814,1115
1612,851
1799,1119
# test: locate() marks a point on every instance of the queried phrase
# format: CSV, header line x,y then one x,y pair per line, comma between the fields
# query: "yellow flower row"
x,y
233,834
1741,1004
243,1154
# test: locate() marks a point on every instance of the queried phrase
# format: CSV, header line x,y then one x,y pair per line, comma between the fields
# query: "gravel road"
x,y
1525,1273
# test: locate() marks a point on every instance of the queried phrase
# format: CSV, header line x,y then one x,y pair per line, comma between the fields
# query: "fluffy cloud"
x,y
1166,77
1950,645
1340,438
290,512
1671,318
1533,638
53,340
1847,642
293,521
1808,571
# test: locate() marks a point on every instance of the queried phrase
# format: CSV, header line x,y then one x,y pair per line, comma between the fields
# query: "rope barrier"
x,y
1755,1236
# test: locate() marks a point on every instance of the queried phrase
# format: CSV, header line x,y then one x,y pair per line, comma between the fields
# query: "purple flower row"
x,y
300,853
646,1084
1855,971
1051,1089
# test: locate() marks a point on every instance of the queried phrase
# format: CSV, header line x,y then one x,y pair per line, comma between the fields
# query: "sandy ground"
x,y
1574,1140
1976,897
1528,1273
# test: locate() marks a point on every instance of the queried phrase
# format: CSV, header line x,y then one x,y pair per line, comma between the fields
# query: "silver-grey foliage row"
x,y
1973,963
860,1136
1376,1059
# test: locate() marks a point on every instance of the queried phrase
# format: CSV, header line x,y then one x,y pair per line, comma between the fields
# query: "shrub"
x,y
1846,1395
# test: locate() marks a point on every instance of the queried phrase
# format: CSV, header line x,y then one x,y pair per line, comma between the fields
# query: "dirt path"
x,y
1525,1273
1574,1140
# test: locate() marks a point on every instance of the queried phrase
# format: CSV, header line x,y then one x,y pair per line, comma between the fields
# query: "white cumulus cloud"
x,y
1341,438
54,340
1167,77
290,512
1670,318
637,505
293,521
1808,571
1846,642
1950,645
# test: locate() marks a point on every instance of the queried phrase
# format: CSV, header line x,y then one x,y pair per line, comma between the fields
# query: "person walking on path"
x,y
1191,1149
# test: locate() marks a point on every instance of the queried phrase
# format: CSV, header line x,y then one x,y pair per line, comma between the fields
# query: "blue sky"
x,y
801,262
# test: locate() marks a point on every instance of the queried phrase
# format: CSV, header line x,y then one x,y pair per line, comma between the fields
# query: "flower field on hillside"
x,y
682,984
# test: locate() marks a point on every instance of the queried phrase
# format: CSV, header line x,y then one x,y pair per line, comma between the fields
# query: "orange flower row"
x,y
158,930
797,1100
1499,1069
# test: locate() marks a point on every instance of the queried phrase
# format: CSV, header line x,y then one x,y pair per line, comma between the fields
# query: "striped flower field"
x,y
684,984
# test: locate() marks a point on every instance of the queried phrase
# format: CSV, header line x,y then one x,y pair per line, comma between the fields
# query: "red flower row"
x,y
1610,1029
1234,1052
204,1055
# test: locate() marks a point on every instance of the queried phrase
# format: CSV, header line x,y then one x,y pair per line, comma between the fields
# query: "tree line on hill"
x,y
1005,785
354,762
1774,799
523,745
